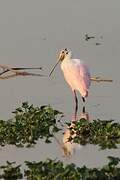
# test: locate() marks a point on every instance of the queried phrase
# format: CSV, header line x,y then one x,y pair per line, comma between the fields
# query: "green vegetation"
x,y
56,170
28,125
10,171
32,123
106,134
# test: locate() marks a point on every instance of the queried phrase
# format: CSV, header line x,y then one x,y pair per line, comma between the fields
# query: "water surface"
x,y
32,33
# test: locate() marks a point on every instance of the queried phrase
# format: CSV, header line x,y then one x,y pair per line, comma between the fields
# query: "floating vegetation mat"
x,y
32,123
28,125
106,134
56,170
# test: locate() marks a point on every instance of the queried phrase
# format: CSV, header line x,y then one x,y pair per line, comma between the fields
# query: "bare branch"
x,y
18,68
7,77
16,72
98,79
20,74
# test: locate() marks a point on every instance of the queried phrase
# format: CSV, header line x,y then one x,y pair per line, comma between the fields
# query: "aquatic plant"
x,y
28,125
10,171
106,134
55,169
52,169
32,123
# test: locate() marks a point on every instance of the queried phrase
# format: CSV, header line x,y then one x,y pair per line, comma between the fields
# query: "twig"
x,y
16,72
7,77
4,67
98,79
20,68
20,74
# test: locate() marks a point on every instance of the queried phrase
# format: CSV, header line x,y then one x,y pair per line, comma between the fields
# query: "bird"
x,y
76,73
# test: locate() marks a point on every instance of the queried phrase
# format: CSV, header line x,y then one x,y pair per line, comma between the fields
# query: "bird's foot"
x,y
75,118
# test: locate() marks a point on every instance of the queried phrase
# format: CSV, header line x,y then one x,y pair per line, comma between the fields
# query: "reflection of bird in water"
x,y
76,74
69,147
84,114
88,37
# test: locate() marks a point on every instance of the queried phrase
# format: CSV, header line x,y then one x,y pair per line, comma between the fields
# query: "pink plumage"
x,y
77,75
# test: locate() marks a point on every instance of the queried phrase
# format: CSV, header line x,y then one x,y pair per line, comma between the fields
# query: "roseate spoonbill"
x,y
76,74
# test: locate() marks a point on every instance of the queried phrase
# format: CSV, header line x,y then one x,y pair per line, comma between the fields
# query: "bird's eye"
x,y
62,51
66,52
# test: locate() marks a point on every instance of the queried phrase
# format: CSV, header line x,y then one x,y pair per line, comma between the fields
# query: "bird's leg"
x,y
83,99
83,110
84,114
76,104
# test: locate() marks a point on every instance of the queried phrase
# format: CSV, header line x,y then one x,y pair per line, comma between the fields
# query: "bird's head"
x,y
63,54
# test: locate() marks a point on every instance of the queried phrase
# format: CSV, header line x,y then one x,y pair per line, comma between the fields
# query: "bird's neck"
x,y
65,62
67,58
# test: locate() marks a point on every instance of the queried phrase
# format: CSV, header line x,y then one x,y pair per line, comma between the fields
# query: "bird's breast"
x,y
65,65
77,75
70,64
69,68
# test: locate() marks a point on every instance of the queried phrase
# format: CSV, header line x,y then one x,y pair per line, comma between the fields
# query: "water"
x,y
32,33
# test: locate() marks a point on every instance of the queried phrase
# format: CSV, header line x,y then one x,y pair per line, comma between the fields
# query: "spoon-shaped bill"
x,y
53,68
61,56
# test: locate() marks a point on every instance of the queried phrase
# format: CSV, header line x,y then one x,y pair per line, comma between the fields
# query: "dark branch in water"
x,y
20,68
98,79
17,72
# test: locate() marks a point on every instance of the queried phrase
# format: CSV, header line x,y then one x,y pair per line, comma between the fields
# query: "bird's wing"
x,y
82,73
